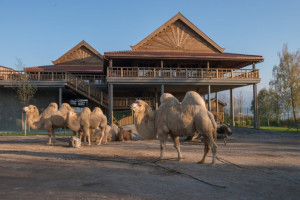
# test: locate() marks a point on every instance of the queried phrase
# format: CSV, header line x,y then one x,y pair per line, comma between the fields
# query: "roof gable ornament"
x,y
178,34
82,53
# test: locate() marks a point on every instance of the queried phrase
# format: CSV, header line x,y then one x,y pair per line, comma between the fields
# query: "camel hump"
x,y
51,109
193,98
97,110
168,97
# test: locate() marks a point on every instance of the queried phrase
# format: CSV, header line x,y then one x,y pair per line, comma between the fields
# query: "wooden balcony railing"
x,y
154,72
74,82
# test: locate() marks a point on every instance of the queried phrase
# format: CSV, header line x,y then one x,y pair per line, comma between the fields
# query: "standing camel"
x,y
51,118
177,120
86,121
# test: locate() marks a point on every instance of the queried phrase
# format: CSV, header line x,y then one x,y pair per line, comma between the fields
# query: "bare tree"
x,y
286,79
24,88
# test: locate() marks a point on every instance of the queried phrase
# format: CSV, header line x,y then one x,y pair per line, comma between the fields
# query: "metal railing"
x,y
155,72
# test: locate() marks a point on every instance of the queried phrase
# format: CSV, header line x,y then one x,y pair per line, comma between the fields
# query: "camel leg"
x,y
101,136
177,147
206,149
74,133
53,136
163,141
213,146
162,149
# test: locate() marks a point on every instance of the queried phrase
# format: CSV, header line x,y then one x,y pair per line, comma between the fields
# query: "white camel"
x,y
177,120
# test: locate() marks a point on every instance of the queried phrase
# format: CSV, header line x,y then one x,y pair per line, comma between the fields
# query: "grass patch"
x,y
280,129
33,134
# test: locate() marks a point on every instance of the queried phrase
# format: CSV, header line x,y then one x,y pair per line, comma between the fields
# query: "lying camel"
x,y
124,134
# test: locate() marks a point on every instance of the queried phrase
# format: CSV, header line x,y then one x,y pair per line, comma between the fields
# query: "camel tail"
x,y
212,119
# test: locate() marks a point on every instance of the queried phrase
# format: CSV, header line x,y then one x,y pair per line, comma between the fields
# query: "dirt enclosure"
x,y
253,165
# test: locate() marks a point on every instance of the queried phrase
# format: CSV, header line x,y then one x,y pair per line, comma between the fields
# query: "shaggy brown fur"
x,y
124,134
177,120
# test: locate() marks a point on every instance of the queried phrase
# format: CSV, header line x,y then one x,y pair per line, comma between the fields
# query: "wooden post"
x,y
110,63
111,106
52,76
207,64
161,64
156,99
25,124
232,107
217,106
39,75
162,89
209,101
59,96
256,118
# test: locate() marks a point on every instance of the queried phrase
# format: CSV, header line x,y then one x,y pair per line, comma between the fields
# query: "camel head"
x,y
31,109
140,107
53,106
73,121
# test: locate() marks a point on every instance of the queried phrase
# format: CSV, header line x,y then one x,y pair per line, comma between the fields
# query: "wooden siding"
x,y
81,55
178,37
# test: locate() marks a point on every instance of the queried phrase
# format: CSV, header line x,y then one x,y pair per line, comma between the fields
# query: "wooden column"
x,y
255,114
162,64
232,107
207,64
217,106
162,89
59,96
209,102
111,103
110,63
156,99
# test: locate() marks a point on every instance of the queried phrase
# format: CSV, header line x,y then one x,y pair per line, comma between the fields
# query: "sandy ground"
x,y
253,165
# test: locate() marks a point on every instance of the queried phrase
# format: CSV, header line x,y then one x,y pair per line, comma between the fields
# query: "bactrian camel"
x,y
177,120
87,120
51,118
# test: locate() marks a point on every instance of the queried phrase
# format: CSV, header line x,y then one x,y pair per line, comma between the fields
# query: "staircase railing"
x,y
86,90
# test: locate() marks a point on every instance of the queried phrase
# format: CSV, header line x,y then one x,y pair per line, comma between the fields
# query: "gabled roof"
x,y
61,59
66,68
214,99
6,68
178,34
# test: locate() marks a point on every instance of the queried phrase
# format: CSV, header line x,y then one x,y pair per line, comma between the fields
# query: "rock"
x,y
75,142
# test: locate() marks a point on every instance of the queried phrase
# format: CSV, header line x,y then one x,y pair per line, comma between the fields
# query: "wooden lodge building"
x,y
175,58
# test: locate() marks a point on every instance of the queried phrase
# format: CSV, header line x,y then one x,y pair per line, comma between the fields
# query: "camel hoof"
x,y
213,164
98,144
201,162
49,143
180,159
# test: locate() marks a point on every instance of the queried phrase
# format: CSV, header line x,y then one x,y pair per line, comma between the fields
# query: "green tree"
x,y
286,79
265,110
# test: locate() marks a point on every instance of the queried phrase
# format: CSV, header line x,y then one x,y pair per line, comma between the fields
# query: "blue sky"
x,y
39,31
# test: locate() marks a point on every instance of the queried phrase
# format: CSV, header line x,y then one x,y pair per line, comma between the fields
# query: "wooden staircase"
x,y
86,90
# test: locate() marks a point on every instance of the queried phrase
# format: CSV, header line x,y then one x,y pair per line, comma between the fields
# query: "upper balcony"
x,y
187,75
